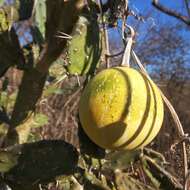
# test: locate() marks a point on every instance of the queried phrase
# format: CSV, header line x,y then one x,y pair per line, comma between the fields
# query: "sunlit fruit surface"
x,y
121,109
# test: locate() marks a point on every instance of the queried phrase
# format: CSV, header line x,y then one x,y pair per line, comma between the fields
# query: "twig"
x,y
147,172
157,154
185,138
173,180
170,12
116,54
34,9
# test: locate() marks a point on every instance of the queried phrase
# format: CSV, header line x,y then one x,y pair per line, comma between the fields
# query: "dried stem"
x,y
34,9
127,52
172,179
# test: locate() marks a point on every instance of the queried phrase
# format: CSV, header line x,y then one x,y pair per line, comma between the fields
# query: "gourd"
x,y
121,109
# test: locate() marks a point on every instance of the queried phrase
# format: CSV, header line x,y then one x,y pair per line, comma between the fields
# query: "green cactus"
x,y
84,49
36,163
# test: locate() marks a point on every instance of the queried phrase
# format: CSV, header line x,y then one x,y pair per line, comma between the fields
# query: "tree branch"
x,y
170,12
10,52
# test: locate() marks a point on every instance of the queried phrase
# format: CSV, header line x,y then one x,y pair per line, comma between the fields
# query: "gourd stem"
x,y
127,53
128,47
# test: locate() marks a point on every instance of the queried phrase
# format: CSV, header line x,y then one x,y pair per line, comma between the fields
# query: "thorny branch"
x,y
171,12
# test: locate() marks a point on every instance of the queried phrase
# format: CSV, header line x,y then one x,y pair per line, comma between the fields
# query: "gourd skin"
x,y
121,109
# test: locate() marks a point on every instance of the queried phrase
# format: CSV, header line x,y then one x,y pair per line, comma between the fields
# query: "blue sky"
x,y
153,18
156,18
144,7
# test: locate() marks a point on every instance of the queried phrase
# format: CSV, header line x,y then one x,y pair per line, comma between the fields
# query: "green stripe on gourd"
x,y
84,49
121,109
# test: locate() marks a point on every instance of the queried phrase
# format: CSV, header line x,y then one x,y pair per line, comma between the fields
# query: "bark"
x,y
10,52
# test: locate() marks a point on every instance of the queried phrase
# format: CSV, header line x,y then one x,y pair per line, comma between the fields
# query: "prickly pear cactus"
x,y
84,49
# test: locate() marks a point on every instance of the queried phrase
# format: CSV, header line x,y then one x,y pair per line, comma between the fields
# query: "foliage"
x,y
36,39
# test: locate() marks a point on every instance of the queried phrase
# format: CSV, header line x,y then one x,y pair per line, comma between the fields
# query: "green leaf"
x,y
7,160
53,90
40,120
40,16
3,99
120,159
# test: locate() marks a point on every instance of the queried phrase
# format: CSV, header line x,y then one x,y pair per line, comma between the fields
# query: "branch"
x,y
10,52
170,12
61,17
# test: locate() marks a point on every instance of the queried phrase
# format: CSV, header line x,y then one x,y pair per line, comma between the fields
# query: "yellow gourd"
x,y
121,109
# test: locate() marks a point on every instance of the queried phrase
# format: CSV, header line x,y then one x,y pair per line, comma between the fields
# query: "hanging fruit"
x,y
121,109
